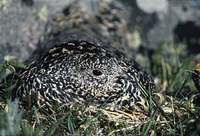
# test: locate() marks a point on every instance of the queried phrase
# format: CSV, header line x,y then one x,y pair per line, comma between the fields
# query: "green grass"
x,y
172,112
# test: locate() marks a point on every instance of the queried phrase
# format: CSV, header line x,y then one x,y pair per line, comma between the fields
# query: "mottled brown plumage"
x,y
81,71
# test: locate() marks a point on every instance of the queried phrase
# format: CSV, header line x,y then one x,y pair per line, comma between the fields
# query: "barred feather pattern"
x,y
80,72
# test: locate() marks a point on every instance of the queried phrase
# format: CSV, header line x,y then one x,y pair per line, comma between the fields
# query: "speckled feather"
x,y
81,72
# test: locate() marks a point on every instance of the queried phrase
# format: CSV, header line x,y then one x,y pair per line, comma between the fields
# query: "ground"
x,y
175,108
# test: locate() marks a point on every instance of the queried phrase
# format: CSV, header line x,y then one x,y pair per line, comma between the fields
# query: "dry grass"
x,y
173,109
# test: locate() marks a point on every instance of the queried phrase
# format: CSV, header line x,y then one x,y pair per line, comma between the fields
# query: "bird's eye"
x,y
97,72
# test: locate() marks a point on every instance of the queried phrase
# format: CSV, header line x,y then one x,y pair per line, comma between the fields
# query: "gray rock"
x,y
173,13
22,24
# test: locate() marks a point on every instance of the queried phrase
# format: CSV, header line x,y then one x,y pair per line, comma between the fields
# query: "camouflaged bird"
x,y
81,70
71,68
